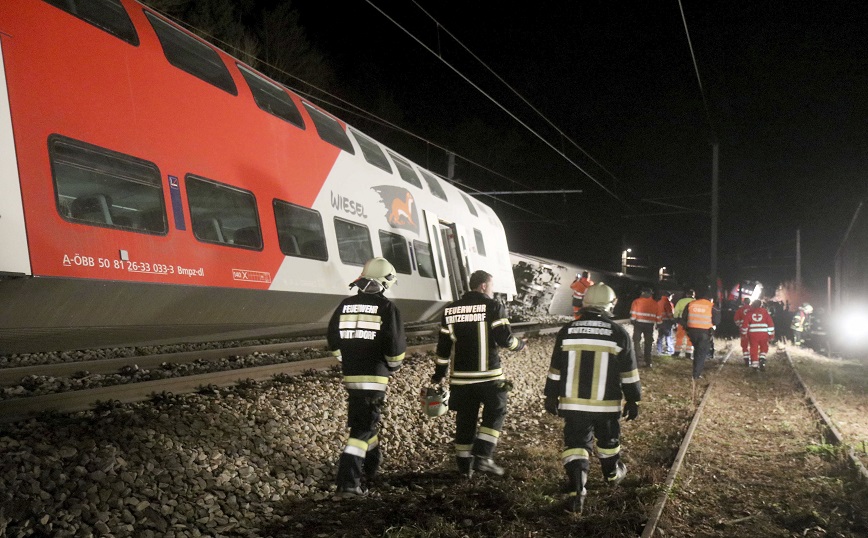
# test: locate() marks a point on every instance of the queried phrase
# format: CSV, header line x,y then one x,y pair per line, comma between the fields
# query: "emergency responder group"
x,y
592,382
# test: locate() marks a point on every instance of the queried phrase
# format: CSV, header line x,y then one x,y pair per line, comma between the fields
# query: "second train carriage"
x,y
154,188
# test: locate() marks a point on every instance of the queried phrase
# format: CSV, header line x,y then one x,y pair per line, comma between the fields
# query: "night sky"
x,y
786,97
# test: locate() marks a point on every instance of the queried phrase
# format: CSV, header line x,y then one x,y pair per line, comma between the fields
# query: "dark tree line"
x,y
269,38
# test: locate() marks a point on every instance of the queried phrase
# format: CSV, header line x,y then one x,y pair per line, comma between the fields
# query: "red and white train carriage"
x,y
154,188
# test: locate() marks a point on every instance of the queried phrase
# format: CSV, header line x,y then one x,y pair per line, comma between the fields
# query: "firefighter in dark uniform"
x,y
476,324
593,365
367,336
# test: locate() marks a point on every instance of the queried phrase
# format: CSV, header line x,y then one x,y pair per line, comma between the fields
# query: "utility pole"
x,y
799,259
714,188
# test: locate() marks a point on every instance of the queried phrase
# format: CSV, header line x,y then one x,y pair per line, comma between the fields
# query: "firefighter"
x,y
643,316
700,317
476,325
738,318
682,341
665,344
592,367
579,286
759,329
366,336
800,323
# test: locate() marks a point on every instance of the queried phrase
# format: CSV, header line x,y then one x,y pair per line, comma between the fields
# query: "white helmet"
x,y
807,308
377,275
600,296
435,401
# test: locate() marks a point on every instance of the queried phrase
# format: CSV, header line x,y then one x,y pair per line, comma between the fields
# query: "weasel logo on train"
x,y
400,207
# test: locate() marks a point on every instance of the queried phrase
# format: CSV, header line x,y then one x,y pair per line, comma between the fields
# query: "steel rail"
x,y
17,409
835,435
657,511
13,376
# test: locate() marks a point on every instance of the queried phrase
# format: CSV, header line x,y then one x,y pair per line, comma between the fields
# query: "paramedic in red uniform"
x,y
366,335
579,286
759,329
475,326
738,318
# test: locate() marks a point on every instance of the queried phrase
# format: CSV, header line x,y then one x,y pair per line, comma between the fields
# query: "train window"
x,y
271,98
223,214
191,55
105,188
480,244
433,185
354,242
372,152
406,171
469,205
107,15
394,248
300,231
330,130
424,259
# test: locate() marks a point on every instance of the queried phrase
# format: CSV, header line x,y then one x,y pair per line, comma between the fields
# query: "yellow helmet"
x,y
377,275
600,296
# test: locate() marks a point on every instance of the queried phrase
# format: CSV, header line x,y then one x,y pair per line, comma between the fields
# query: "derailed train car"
x,y
155,189
543,287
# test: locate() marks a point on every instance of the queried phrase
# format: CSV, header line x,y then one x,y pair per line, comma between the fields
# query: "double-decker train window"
x,y
372,152
191,55
406,171
271,98
354,242
470,205
480,243
330,130
107,15
300,231
424,259
394,248
434,185
223,214
104,188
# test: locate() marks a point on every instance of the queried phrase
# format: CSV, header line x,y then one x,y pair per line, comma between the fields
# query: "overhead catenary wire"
x,y
499,105
514,91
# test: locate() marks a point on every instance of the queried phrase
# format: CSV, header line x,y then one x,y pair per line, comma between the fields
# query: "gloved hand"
x,y
436,378
552,405
631,410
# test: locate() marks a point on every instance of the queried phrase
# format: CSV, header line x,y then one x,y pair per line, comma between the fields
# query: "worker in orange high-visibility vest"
x,y
579,286
644,315
738,318
701,319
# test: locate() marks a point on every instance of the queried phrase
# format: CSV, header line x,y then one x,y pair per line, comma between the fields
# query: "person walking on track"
x,y
593,367
759,328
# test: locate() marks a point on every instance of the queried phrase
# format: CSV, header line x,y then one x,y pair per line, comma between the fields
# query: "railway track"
x,y
671,488
15,409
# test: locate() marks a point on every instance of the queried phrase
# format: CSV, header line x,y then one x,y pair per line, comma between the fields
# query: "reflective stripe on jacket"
x,y
699,314
644,310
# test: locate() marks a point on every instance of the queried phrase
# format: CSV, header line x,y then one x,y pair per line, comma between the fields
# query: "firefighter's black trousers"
x,y
362,452
580,429
465,400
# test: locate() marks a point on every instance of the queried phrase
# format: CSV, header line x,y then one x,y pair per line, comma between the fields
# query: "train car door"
x,y
15,258
441,270
457,257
